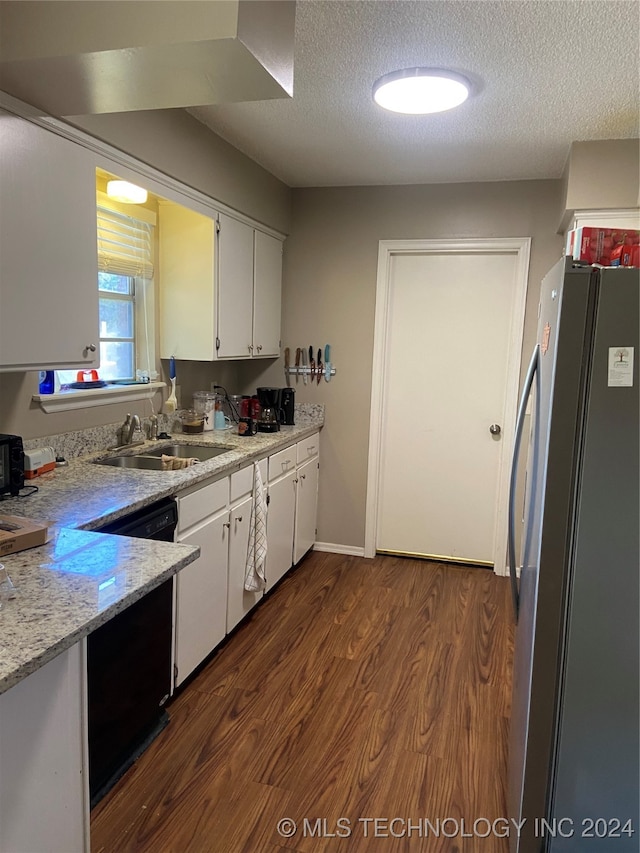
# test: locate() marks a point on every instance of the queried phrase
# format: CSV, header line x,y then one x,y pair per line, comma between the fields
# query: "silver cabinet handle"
x,y
90,348
250,347
303,476
227,524
238,519
259,347
495,429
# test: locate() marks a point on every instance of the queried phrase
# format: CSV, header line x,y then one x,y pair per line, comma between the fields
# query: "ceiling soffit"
x,y
82,58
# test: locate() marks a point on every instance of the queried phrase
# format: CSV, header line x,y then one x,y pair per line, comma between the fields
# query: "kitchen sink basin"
x,y
148,463
151,460
186,451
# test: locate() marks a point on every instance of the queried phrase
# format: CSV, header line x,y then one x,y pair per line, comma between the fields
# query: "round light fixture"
x,y
417,91
126,193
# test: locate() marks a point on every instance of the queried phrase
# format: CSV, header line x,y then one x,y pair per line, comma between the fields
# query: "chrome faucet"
x,y
128,431
134,427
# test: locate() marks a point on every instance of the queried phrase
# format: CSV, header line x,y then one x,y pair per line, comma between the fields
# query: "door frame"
x,y
387,249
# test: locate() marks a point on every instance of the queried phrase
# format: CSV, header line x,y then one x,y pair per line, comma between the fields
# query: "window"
x,y
125,293
117,326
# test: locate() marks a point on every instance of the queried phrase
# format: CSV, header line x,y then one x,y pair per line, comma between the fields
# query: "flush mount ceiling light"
x,y
417,91
126,193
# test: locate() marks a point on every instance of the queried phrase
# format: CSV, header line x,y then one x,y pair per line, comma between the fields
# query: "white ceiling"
x,y
546,73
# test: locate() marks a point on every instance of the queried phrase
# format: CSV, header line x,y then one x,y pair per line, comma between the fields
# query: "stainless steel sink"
x,y
186,451
145,463
151,460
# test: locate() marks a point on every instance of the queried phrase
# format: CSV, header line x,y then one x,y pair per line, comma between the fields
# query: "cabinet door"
x,y
306,508
267,297
280,527
48,250
44,802
187,285
239,601
235,288
201,597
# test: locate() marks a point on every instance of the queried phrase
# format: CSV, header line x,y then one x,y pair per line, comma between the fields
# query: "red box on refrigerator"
x,y
625,255
596,245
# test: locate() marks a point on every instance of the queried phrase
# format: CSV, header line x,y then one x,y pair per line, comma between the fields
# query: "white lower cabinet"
x,y
280,527
239,601
44,790
210,595
281,515
201,596
201,587
293,500
306,508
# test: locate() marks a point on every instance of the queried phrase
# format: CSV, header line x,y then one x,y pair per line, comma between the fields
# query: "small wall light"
x,y
417,91
126,193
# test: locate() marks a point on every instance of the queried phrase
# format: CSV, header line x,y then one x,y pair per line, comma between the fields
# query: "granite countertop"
x,y
87,495
72,585
80,579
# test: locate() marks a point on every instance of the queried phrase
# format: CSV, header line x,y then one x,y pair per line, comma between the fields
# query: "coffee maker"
x,y
287,405
270,414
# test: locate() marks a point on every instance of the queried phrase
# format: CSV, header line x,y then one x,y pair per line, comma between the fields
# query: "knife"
x,y
298,353
312,363
286,365
327,363
319,365
304,366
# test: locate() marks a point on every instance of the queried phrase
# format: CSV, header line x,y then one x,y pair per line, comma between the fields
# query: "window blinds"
x,y
125,244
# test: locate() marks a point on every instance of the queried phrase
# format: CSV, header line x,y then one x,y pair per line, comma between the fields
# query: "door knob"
x,y
495,429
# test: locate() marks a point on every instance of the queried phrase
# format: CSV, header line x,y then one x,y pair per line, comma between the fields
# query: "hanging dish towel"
x,y
255,578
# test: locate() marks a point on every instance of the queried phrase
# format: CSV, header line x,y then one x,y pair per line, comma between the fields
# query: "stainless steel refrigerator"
x,y
574,731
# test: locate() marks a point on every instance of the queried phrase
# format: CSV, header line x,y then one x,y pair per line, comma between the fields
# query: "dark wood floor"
x,y
360,689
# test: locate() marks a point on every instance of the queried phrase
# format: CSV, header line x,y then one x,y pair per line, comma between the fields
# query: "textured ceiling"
x,y
546,73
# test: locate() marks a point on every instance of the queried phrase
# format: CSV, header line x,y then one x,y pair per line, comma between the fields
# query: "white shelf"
x,y
64,401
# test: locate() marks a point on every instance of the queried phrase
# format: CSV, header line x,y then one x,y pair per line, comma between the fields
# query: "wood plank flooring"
x,y
360,690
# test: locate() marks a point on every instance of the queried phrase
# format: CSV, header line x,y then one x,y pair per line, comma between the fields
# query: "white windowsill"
x,y
64,401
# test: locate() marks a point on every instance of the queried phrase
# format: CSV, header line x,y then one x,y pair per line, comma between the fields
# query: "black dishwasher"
x,y
129,664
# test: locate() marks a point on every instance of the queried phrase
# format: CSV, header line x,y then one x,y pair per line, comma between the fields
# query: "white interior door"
x,y
447,364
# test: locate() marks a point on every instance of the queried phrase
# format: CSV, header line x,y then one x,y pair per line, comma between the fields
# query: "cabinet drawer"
x,y
202,503
308,448
282,462
242,481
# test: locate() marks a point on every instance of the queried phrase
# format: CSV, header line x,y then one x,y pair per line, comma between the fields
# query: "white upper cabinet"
x,y
219,298
48,250
187,283
249,291
267,295
235,289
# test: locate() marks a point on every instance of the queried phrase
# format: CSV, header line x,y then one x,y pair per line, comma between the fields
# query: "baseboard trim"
x,y
333,548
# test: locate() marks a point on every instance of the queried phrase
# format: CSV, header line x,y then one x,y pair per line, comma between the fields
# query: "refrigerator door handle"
x,y
526,391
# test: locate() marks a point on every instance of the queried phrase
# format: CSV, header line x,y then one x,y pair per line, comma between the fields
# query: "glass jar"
x,y
235,405
192,421
204,402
